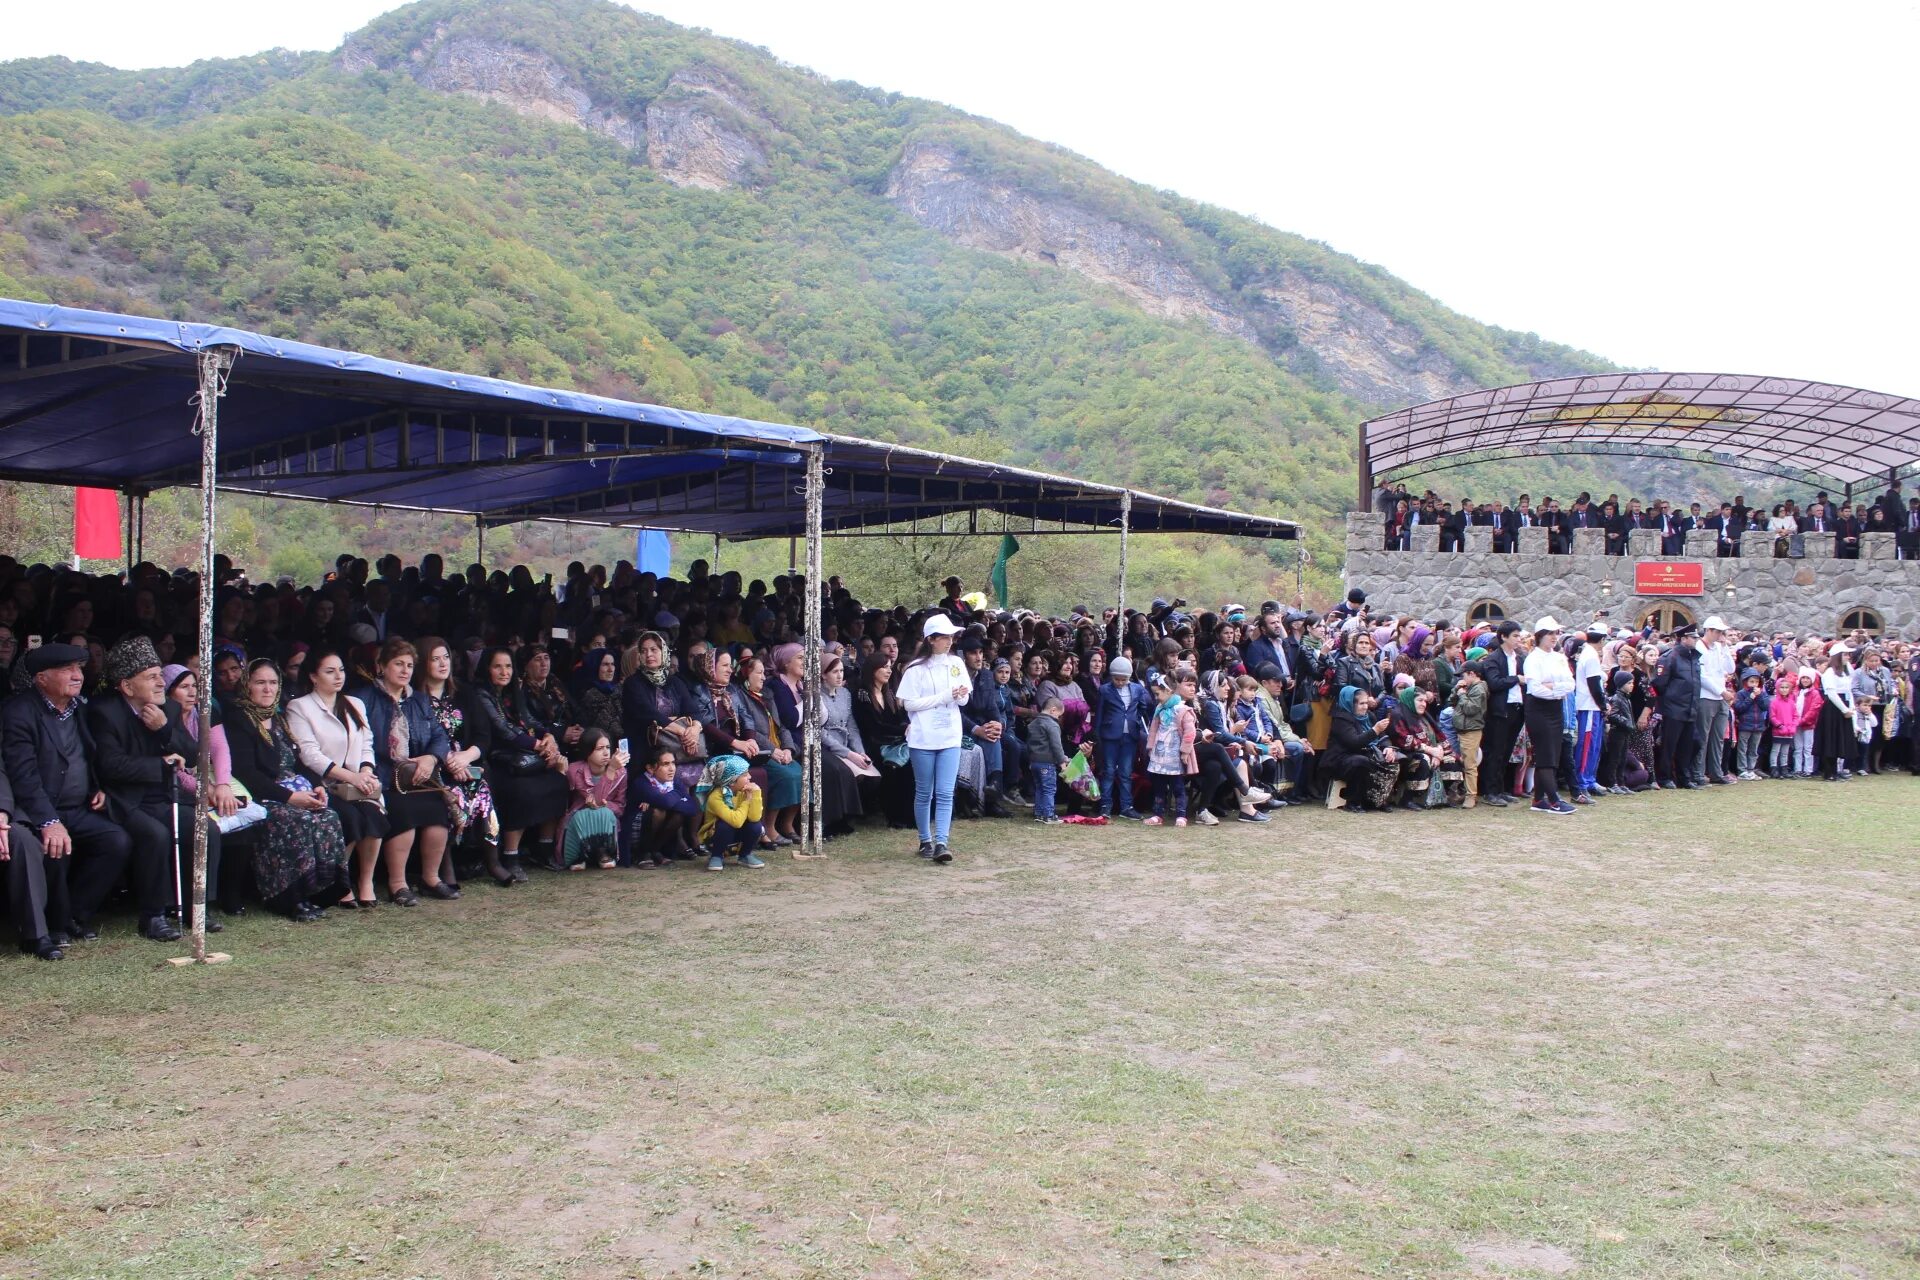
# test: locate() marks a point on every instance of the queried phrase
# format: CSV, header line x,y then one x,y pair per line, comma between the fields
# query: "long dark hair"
x,y
344,709
427,644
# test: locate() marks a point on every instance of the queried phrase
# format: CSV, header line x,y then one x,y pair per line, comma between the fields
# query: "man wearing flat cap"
x,y
141,739
64,853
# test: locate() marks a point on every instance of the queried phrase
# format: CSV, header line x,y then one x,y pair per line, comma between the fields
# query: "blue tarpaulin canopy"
x,y
100,399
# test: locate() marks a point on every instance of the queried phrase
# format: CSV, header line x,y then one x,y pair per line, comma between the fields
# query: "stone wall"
x,y
1808,595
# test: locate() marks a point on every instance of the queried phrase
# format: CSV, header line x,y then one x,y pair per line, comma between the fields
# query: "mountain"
x,y
570,192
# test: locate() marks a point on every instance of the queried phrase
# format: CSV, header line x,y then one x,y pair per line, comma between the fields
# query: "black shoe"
x,y
1498,802
159,929
942,854
443,891
926,849
43,949
82,932
403,897
1668,785
214,925
237,909
1720,782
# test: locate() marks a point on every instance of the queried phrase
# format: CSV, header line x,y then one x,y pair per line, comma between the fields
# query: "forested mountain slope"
x,y
570,192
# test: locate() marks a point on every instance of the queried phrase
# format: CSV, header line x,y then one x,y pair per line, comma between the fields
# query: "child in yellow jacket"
x,y
731,806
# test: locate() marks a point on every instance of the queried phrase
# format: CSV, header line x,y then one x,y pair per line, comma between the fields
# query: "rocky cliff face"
x,y
699,133
1366,352
1309,324
931,183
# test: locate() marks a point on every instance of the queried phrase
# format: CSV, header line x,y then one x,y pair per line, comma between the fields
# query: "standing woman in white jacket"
x,y
933,685
1549,683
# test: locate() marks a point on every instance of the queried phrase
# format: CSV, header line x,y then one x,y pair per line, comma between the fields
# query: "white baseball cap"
x,y
939,625
1714,622
1548,623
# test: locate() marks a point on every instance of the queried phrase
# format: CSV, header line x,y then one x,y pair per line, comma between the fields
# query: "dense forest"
x,y
571,193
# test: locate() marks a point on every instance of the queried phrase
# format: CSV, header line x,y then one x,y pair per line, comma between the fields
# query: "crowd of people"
x,y
1781,531
398,733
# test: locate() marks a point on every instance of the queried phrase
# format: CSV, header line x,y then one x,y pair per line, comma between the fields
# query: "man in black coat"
x,y
1505,714
54,802
140,739
1676,685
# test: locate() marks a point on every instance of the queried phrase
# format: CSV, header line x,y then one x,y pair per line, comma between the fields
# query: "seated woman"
x,y
842,750
525,769
597,804
544,697
1356,754
782,760
228,809
596,694
409,747
329,730
666,817
882,722
733,806
658,708
1417,743
456,710
300,850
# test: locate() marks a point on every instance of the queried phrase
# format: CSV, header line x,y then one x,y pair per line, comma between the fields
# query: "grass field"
x,y
1673,1036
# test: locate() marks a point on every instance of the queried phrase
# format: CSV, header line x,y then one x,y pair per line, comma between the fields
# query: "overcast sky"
x,y
1723,187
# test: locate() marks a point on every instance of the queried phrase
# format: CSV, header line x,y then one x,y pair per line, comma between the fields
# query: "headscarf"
x,y
1347,693
587,676
1402,682
655,676
1418,638
1476,653
781,655
721,772
171,673
1409,696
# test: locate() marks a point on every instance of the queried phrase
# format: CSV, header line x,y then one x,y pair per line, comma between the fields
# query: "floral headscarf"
x,y
721,772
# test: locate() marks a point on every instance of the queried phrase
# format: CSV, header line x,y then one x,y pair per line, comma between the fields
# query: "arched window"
x,y
1486,611
1861,619
1665,616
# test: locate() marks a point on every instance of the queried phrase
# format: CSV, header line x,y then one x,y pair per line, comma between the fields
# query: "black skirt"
x,y
358,820
839,790
527,801
1833,737
412,810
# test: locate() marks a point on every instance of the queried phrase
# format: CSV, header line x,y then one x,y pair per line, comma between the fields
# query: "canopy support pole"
x,y
140,529
214,366
714,568
480,540
811,796
1126,523
127,544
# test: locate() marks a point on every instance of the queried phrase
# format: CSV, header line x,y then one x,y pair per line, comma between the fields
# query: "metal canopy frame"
x,y
1793,428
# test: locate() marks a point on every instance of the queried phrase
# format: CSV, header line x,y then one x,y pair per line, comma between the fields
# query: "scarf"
x,y
721,772
587,676
262,717
1409,698
1347,695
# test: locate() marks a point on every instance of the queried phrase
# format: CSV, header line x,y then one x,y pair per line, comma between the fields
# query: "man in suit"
x,y
1506,708
141,738
1120,725
1453,528
1907,539
1818,519
980,718
377,611
54,803
1727,528
1673,533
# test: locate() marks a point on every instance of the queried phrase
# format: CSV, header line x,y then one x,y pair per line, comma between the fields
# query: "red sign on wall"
x,y
1663,578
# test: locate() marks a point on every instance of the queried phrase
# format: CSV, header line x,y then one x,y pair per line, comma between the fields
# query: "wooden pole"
x,y
811,814
1126,522
214,366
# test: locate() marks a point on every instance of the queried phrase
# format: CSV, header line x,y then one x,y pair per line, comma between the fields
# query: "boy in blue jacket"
x,y
1120,726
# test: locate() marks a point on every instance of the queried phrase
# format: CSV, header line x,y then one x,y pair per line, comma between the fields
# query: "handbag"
x,y
518,764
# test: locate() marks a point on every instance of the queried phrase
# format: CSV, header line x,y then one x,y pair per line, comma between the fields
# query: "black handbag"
x,y
518,764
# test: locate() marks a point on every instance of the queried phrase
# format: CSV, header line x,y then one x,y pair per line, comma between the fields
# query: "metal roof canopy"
x,y
1791,427
101,399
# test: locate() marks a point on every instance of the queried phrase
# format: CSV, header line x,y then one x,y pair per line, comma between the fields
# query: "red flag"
x,y
96,524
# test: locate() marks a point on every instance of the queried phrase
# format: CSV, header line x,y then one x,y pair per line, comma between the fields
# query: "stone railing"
x,y
1813,592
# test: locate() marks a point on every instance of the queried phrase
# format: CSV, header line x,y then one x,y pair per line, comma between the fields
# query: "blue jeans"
x,y
934,770
1013,755
1116,774
992,752
743,839
1046,777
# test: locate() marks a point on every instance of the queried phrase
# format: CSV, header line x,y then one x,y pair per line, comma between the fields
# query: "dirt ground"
x,y
1672,1036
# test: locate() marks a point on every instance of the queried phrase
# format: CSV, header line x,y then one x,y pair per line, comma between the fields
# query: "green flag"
x,y
1008,545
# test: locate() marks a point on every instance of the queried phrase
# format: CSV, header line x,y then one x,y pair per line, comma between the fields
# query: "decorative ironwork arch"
x,y
1815,432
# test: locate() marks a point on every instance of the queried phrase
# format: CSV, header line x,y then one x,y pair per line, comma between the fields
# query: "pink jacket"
x,y
1793,708
1187,725
612,790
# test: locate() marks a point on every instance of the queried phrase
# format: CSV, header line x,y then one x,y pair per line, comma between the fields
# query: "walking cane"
x,y
173,822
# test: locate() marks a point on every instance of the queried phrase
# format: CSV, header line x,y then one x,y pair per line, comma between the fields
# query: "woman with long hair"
x,y
1834,742
883,726
329,729
778,755
300,851
933,686
455,709
525,768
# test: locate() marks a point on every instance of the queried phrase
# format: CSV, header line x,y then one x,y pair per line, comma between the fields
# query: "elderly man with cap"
x,y
141,739
57,822
1275,699
1676,685
1717,665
